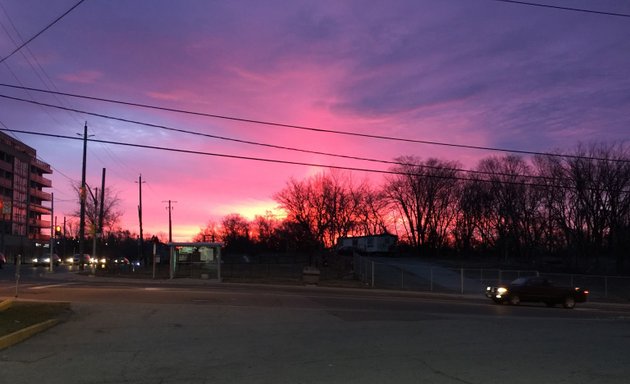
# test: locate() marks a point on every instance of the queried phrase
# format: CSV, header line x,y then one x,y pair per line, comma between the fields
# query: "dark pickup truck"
x,y
536,289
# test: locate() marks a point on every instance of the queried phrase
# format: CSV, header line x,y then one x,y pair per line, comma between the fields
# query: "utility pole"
x,y
52,228
99,227
172,262
95,197
64,237
102,207
141,244
170,222
82,198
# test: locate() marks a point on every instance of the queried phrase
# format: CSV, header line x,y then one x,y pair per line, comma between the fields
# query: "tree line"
x,y
569,207
572,208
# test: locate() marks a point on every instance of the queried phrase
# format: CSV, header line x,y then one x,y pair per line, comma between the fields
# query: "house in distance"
x,y
374,244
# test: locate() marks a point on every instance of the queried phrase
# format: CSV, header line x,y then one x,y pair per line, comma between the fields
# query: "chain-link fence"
x,y
421,276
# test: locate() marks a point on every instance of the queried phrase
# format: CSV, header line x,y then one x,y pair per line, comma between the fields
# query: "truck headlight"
x,y
502,291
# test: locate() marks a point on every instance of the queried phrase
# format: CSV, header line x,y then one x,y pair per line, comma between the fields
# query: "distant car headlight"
x,y
46,260
34,260
502,291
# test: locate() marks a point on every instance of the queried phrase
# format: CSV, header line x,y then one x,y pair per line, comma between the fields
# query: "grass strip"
x,y
23,314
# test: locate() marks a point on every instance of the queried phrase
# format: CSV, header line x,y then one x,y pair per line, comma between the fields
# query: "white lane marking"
x,y
51,286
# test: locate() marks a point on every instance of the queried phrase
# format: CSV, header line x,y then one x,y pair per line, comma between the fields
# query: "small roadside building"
x,y
195,260
383,243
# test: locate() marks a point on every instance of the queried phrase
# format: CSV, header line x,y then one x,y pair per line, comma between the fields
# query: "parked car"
x,y
536,289
45,260
84,259
118,261
98,261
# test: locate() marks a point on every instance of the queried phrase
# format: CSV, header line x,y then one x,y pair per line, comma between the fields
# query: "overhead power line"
x,y
290,126
38,158
565,8
28,59
17,49
249,142
299,163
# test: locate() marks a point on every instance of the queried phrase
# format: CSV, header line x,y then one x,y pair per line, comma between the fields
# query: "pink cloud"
x,y
320,67
172,95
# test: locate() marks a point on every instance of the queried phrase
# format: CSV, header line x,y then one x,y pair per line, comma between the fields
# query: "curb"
x,y
23,334
4,304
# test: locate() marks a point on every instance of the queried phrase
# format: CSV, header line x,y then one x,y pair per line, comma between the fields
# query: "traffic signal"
x,y
57,230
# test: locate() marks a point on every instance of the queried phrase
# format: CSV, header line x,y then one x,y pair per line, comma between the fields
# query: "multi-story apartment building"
x,y
23,200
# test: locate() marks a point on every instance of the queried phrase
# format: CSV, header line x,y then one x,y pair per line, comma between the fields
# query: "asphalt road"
x,y
189,332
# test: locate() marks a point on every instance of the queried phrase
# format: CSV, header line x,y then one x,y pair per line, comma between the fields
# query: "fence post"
x,y
606,287
372,274
461,278
431,279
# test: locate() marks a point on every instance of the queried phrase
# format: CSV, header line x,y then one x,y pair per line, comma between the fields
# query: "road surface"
x,y
188,332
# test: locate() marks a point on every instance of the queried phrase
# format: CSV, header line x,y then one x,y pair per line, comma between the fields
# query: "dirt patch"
x,y
22,314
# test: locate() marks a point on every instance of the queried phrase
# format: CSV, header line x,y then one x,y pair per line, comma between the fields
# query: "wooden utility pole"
x,y
141,243
172,262
82,198
170,222
64,237
95,224
53,222
102,207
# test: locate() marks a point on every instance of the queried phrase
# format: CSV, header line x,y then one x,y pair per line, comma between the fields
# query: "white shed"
x,y
382,243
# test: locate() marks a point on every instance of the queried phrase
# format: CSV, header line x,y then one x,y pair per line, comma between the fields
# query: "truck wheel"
x,y
569,302
515,300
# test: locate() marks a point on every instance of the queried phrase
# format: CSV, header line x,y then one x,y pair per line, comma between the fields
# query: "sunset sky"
x,y
481,73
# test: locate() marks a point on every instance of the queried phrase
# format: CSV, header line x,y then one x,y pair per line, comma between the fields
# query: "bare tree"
x,y
295,199
265,230
425,195
372,211
235,228
511,207
327,205
111,213
591,205
209,233
469,230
